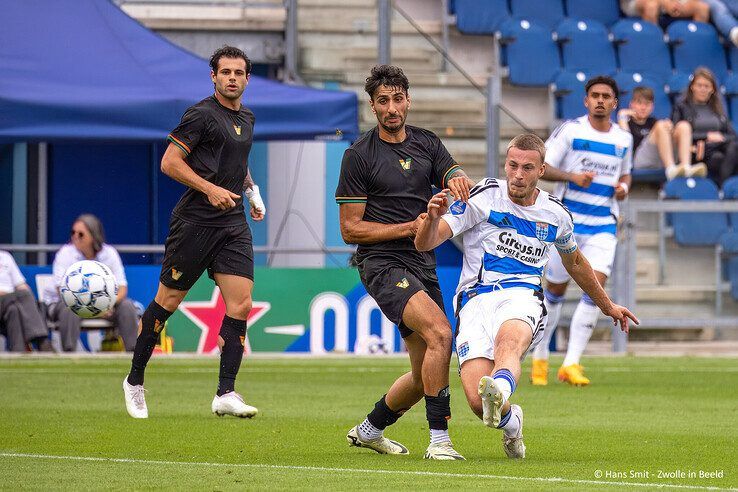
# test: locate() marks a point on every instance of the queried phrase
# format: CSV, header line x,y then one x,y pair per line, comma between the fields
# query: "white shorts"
x,y
599,249
482,316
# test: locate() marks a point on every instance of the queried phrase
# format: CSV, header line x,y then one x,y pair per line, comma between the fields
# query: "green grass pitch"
x,y
660,422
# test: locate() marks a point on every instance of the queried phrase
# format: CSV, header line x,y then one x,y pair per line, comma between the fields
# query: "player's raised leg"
x,y
156,314
512,340
236,291
405,392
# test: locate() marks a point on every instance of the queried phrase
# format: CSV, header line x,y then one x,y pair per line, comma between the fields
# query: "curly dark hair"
x,y
387,75
229,52
602,79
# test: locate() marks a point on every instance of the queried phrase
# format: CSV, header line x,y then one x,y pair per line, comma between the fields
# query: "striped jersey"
x,y
576,147
503,241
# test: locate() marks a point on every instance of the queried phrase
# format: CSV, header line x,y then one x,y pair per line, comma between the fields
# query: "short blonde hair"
x,y
528,141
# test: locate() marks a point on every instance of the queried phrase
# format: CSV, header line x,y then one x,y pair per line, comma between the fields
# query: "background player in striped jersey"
x,y
508,229
591,158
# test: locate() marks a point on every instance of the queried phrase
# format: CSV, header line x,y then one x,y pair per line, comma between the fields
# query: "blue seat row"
x,y
486,16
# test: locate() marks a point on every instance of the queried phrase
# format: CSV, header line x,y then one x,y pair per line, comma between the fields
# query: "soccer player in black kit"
x,y
384,187
208,152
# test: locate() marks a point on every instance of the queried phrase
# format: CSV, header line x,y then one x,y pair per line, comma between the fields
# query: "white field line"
x,y
358,471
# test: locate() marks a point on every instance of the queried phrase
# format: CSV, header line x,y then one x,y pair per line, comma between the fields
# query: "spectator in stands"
x,y
723,14
654,140
712,133
696,10
20,320
88,243
649,10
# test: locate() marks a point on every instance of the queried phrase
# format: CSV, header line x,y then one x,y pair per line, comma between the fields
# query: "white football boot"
x,y
513,446
135,400
381,445
442,451
232,404
492,401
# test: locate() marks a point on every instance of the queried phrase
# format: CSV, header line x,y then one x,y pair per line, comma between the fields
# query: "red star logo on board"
x,y
208,316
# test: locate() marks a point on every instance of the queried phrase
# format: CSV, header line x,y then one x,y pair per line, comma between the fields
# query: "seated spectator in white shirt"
x,y
20,320
88,243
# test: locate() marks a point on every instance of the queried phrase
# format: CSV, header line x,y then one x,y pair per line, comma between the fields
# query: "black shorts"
x,y
191,249
392,284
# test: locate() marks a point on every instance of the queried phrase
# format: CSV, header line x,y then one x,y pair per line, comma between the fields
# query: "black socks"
x,y
438,409
382,416
233,333
152,323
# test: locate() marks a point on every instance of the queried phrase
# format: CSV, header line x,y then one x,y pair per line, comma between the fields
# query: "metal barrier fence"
x,y
624,274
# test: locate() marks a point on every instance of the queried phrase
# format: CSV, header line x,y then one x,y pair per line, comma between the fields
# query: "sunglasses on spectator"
x,y
79,234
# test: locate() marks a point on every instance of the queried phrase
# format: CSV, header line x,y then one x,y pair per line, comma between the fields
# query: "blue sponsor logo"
x,y
458,207
463,349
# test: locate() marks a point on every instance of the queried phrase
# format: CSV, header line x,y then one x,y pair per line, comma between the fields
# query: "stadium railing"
x,y
624,275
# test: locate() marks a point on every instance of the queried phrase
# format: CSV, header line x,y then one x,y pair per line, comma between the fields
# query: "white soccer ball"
x,y
89,288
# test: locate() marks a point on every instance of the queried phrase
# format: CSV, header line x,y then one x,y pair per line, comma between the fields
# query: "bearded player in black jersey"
x,y
384,187
208,152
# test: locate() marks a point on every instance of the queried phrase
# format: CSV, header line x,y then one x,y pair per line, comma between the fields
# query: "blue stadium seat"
x,y
585,46
696,228
730,192
629,81
605,11
696,44
523,41
547,13
641,48
729,245
677,84
568,88
475,17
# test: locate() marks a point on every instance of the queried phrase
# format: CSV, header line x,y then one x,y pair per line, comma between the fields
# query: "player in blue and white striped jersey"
x,y
508,228
591,159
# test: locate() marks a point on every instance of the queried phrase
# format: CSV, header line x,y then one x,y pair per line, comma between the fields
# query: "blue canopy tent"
x,y
102,92
83,69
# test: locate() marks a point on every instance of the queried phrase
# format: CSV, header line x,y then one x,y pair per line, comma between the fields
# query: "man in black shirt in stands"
x,y
208,152
654,140
384,187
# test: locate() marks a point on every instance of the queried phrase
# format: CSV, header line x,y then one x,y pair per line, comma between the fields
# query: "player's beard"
x,y
518,193
223,91
396,127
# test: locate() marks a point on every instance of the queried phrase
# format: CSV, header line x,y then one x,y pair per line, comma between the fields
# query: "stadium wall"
x,y
308,310
122,184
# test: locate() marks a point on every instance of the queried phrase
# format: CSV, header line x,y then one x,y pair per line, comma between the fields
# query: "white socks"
x,y
582,324
437,436
368,432
512,426
553,305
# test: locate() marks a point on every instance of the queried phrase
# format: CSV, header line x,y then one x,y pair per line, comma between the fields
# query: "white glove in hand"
x,y
255,199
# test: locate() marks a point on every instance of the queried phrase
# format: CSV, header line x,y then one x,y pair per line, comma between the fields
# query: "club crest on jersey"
x,y
405,163
541,230
619,151
176,274
237,129
457,208
463,349
403,284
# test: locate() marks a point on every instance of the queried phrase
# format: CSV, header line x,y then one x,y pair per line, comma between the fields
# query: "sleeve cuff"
x,y
351,199
179,143
449,173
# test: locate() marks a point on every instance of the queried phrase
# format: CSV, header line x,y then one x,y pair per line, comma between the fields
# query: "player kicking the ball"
x,y
508,228
209,153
